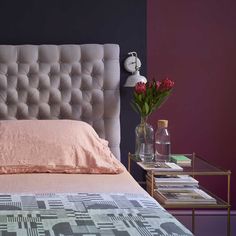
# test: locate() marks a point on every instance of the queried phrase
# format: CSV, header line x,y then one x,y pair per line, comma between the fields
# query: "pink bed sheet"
x,y
56,183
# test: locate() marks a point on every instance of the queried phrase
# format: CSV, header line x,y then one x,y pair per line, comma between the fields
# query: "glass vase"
x,y
144,140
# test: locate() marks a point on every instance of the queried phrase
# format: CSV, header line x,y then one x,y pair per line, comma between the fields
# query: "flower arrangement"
x,y
150,96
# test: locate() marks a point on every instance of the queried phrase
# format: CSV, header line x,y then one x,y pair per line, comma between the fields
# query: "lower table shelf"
x,y
198,167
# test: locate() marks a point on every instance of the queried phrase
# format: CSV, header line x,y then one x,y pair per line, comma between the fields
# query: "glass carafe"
x,y
144,136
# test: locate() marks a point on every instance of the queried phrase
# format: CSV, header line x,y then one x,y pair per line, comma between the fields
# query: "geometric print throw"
x,y
85,214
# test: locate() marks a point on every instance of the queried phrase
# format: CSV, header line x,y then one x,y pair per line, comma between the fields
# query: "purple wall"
x,y
194,42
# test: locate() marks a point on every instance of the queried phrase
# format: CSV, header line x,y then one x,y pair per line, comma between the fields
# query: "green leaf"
x,y
146,107
134,107
140,97
162,100
143,110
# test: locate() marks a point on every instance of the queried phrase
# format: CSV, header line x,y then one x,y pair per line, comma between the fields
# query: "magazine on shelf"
x,y
160,166
175,180
176,187
184,196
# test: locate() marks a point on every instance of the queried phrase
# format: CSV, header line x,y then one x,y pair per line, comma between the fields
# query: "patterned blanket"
x,y
85,214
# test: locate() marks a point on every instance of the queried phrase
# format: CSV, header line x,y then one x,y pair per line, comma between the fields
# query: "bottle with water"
x,y
162,141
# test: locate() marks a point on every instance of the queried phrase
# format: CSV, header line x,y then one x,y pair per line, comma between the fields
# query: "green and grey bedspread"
x,y
85,214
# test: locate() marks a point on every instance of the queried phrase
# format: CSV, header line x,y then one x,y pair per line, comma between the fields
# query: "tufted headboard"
x,y
79,82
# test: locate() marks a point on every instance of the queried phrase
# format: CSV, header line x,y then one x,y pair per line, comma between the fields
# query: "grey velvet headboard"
x,y
79,82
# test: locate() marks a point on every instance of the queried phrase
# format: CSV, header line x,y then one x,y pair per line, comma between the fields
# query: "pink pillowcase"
x,y
60,146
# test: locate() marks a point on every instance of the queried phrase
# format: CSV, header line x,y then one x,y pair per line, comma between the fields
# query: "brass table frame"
x,y
221,204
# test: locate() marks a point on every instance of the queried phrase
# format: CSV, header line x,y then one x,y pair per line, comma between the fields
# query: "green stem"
x,y
143,124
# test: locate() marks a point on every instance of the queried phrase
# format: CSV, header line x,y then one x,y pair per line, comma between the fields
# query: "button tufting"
x,y
49,84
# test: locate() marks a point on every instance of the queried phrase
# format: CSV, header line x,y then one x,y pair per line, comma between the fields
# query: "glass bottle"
x,y
144,141
162,141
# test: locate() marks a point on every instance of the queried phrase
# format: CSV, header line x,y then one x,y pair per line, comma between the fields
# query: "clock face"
x,y
130,64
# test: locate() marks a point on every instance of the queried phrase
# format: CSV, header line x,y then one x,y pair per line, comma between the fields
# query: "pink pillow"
x,y
61,146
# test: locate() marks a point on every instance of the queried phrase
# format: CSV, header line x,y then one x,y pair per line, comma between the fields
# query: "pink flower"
x,y
150,96
166,84
140,88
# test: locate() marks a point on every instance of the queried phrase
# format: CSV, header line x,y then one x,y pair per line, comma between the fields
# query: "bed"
x,y
58,175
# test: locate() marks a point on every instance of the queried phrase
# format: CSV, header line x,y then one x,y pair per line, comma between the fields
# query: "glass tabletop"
x,y
198,166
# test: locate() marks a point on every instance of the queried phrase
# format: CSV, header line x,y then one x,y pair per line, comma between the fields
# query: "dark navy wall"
x,y
80,22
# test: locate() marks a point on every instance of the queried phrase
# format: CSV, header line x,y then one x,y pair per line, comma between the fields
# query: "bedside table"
x,y
198,167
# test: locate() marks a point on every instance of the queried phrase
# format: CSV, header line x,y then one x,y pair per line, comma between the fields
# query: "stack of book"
x,y
184,196
180,189
175,182
181,160
175,188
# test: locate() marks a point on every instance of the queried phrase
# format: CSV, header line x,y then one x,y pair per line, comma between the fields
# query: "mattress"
x,y
69,183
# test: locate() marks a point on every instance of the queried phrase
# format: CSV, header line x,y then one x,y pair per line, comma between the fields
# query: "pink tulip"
x,y
166,84
140,88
